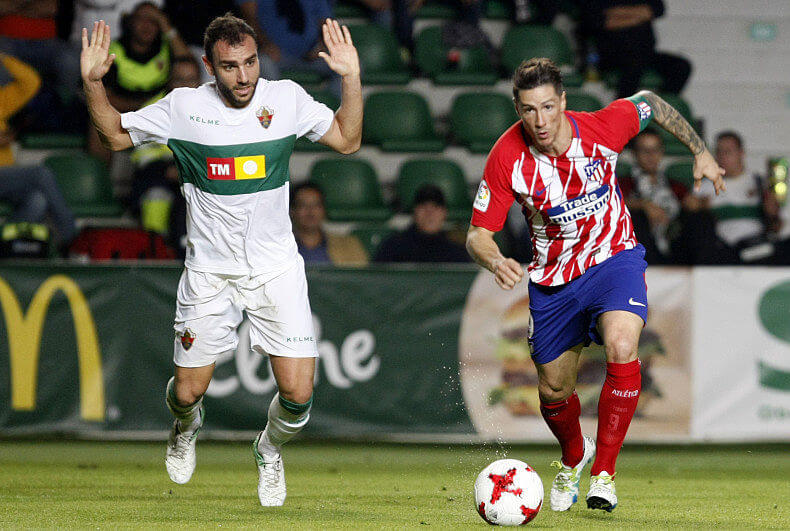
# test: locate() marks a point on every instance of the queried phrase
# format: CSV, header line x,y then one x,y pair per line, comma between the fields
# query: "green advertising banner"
x,y
89,348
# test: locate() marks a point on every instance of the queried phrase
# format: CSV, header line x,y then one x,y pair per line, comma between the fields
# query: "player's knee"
x,y
620,349
554,391
297,395
187,394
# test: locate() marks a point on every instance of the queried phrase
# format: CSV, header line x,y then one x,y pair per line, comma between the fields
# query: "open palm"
x,y
342,57
95,59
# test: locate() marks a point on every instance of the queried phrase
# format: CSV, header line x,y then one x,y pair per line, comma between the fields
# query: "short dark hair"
x,y
647,132
536,72
310,186
429,193
732,135
228,28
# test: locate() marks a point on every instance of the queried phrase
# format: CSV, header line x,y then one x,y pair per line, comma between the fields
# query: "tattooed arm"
x,y
669,118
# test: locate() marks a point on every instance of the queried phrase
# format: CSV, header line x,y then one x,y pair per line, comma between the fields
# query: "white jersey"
x,y
234,168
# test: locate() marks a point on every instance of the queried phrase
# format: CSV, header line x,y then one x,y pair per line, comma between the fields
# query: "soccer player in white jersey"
x,y
587,276
232,140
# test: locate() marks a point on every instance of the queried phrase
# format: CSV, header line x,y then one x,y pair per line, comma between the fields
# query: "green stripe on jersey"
x,y
643,110
723,213
193,164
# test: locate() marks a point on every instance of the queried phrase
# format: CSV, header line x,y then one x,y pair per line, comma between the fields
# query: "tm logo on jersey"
x,y
580,207
236,168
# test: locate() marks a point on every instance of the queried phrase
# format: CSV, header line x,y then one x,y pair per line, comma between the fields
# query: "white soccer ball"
x,y
508,492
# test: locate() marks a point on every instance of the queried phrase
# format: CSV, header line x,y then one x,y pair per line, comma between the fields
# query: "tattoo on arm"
x,y
670,119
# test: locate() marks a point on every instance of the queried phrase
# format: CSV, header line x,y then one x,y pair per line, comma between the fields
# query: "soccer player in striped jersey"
x,y
587,276
232,140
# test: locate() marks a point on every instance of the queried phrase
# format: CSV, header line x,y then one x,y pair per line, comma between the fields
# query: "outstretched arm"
x,y
483,249
345,133
669,118
95,62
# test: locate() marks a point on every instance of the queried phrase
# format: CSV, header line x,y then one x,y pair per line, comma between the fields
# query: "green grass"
x,y
374,486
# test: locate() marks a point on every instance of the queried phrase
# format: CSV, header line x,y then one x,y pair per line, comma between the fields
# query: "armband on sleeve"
x,y
643,110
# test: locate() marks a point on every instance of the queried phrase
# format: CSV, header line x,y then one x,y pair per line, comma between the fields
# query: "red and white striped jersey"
x,y
572,203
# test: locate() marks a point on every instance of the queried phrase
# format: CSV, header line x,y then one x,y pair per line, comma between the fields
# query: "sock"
x,y
563,420
188,416
616,407
286,419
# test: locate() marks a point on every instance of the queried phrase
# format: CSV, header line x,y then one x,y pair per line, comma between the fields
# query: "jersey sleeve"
x,y
622,120
494,195
312,118
152,123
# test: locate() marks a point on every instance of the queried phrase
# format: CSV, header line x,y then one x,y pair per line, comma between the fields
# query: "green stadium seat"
x,y
52,141
582,102
443,173
346,10
6,209
681,172
478,120
379,55
473,66
623,169
85,185
436,10
651,80
372,236
351,190
527,41
399,121
303,77
498,10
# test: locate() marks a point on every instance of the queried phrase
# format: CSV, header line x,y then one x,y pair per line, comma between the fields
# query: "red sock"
x,y
563,420
616,407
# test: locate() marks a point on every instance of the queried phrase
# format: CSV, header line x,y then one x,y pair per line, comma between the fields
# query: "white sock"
x,y
188,416
283,424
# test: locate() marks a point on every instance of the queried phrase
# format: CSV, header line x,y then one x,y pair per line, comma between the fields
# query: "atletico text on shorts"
x,y
234,167
564,316
572,203
210,307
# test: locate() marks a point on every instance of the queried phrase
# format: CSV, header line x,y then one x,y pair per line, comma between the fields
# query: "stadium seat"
x,y
399,121
351,190
303,77
582,102
478,120
523,42
473,66
623,169
348,10
85,185
681,172
371,237
379,55
443,173
435,10
52,141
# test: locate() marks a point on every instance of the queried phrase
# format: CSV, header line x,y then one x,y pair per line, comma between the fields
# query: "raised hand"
x,y
705,166
95,59
342,57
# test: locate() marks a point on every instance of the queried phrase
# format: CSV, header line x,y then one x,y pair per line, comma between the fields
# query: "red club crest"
x,y
264,117
187,339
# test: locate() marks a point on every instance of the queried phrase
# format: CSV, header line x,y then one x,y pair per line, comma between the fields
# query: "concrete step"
x,y
760,9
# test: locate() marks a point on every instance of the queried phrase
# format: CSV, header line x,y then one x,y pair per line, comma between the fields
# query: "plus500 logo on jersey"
x,y
580,207
236,168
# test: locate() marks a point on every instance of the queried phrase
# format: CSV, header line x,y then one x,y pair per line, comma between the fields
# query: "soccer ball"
x,y
508,492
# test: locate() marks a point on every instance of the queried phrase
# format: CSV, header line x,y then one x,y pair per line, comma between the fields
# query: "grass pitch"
x,y
374,486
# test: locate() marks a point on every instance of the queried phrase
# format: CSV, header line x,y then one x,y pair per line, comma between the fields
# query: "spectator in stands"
x,y
192,18
110,11
316,244
623,31
28,31
289,35
143,56
31,190
469,13
425,240
156,187
650,198
740,211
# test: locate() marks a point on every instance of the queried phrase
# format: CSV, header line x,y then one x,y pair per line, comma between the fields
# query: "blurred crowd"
x,y
158,47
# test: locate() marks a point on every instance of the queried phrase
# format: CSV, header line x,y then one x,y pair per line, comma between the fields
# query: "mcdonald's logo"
x,y
24,340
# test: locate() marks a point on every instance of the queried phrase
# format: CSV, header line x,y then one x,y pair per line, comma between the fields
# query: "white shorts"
x,y
209,310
